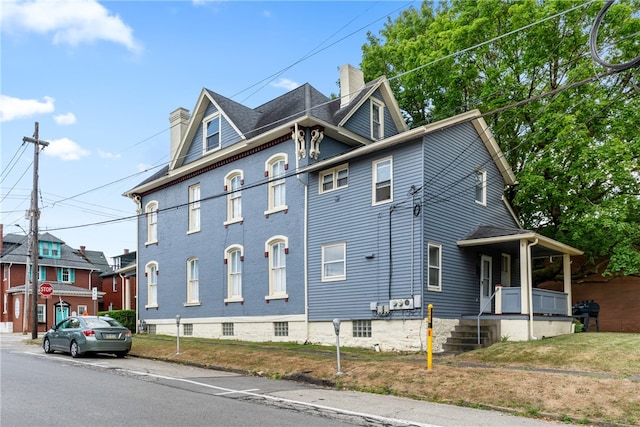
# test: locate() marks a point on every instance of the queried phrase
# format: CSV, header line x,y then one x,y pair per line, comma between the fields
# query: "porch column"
x,y
525,285
566,270
498,298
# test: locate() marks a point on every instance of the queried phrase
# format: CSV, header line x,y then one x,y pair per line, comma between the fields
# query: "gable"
x,y
208,107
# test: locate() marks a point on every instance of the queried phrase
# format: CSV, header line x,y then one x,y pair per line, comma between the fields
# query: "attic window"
x,y
377,120
211,132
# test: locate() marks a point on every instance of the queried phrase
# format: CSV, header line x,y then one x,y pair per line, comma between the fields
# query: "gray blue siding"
x,y
175,246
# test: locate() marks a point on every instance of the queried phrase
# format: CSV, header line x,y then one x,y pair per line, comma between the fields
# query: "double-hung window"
x,y
151,211
434,278
233,259
276,250
481,186
211,132
382,181
151,271
333,179
377,120
334,262
67,275
275,170
194,208
233,187
193,283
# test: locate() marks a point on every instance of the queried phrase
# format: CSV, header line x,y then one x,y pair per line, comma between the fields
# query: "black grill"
x,y
584,311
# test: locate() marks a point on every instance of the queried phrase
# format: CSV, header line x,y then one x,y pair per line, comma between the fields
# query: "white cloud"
x,y
266,13
72,22
16,108
65,119
65,149
106,155
285,83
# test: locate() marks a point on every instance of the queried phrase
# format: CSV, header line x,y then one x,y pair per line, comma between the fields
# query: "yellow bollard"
x,y
430,337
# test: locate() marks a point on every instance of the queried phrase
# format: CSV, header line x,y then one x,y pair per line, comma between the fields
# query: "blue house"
x,y
268,223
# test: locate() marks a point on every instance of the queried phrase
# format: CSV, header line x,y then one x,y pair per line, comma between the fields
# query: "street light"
x,y
25,314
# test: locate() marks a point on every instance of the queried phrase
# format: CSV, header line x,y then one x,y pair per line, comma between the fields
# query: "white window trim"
x,y
42,318
191,300
341,277
267,167
205,122
147,270
374,180
195,205
151,211
380,105
268,250
82,306
227,254
483,174
334,173
429,286
227,182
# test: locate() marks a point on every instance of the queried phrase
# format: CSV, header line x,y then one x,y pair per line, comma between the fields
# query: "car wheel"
x,y
46,345
121,354
74,350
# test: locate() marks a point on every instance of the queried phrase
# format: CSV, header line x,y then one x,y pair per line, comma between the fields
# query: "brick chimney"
x,y
126,251
178,121
351,82
83,250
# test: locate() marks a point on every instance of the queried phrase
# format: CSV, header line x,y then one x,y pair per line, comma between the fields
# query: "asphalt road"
x,y
39,389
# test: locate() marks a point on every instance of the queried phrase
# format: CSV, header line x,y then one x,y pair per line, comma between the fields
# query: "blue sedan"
x,y
80,335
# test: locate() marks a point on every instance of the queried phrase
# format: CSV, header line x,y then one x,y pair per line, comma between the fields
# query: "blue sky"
x,y
101,78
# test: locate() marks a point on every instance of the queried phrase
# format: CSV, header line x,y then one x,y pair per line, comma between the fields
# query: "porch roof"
x,y
507,240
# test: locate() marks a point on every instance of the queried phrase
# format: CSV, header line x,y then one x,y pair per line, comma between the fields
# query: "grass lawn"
x,y
525,378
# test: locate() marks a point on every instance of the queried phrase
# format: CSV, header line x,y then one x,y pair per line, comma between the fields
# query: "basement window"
x,y
362,328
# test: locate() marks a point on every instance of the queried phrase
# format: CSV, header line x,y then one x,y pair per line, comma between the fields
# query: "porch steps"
x,y
465,337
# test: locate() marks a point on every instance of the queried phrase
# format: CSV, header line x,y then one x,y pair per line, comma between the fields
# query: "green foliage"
x,y
126,317
575,153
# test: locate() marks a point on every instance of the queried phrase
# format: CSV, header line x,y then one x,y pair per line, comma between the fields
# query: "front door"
x,y
486,263
62,312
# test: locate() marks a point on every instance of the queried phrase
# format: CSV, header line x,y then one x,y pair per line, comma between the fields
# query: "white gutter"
x,y
530,278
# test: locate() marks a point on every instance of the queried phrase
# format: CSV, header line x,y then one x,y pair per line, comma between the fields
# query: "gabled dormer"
x,y
369,110
49,246
217,123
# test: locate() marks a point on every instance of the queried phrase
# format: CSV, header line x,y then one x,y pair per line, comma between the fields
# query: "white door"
x,y
485,283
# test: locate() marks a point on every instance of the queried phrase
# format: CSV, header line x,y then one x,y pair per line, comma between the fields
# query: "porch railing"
x,y
488,302
544,301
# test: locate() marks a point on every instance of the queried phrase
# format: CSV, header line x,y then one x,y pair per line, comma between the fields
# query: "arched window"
x,y
151,211
151,271
193,285
234,257
275,170
276,249
233,184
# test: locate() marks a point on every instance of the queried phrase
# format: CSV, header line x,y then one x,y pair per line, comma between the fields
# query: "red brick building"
x,y
72,273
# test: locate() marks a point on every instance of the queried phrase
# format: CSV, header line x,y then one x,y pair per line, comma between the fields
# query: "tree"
x,y
575,152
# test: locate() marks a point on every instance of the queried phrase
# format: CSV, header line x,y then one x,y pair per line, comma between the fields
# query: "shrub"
x,y
126,317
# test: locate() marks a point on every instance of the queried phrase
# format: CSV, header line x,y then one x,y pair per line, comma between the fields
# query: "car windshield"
x,y
102,323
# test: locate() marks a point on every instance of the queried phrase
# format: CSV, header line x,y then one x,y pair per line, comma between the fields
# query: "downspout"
x,y
301,151
530,278
138,201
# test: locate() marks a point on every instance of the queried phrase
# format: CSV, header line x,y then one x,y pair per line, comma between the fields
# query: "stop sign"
x,y
46,289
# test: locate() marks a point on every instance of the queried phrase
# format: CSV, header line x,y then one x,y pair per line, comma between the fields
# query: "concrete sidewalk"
x,y
359,408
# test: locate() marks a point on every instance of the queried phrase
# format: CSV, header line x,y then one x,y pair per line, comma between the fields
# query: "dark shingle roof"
x,y
488,231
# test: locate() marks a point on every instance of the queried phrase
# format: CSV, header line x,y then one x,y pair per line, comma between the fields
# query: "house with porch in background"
x,y
269,223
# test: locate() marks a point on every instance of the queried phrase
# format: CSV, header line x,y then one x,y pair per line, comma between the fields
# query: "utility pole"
x,y
35,214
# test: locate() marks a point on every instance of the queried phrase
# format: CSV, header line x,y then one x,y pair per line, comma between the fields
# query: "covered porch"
x,y
520,310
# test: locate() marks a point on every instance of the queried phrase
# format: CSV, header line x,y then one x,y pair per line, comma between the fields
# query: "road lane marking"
x,y
286,401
